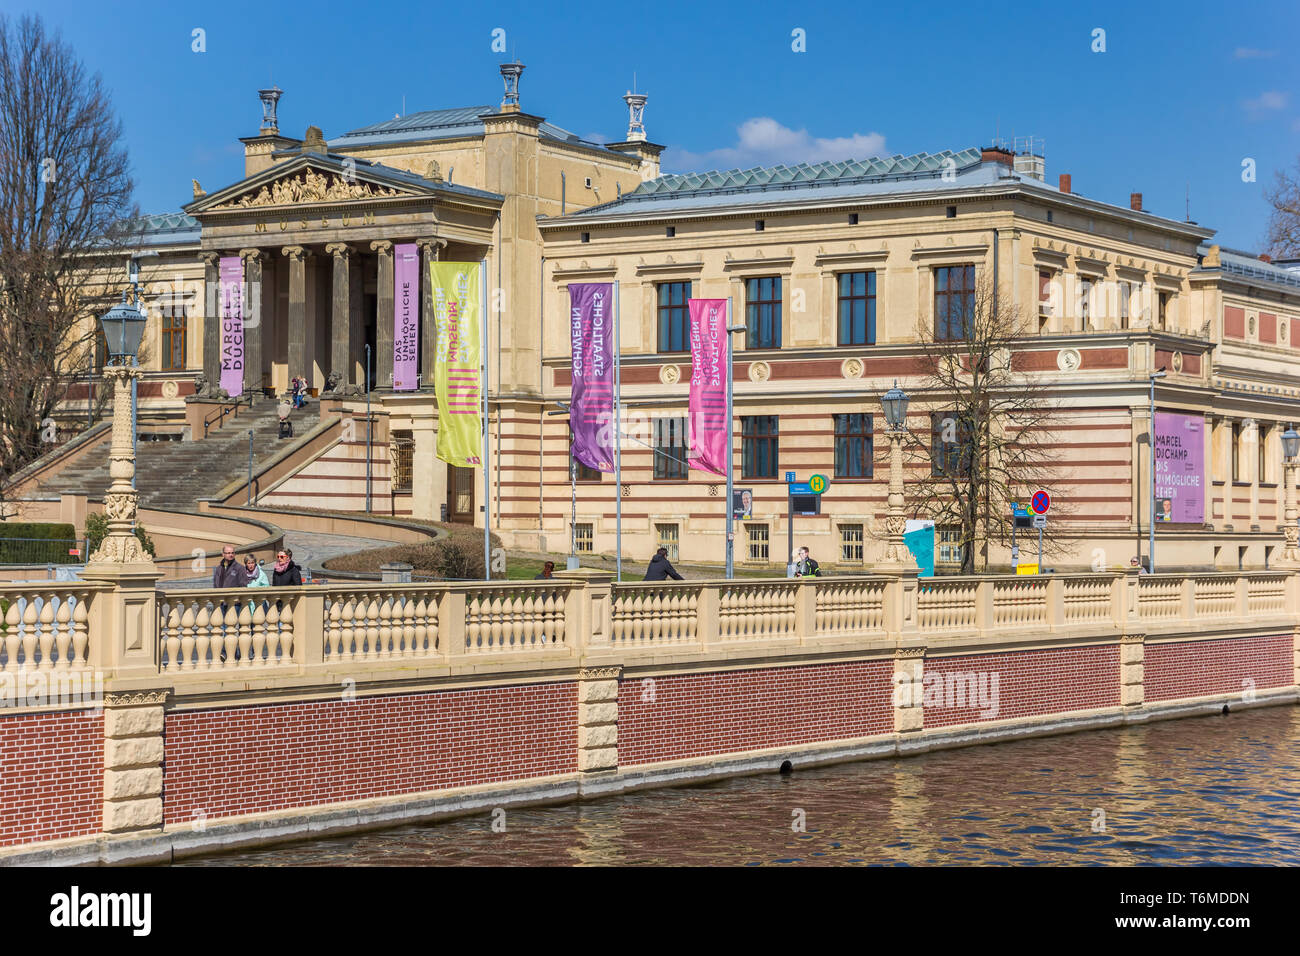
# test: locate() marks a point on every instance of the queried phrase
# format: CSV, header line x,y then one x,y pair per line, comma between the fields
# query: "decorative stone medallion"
x,y
669,374
169,390
852,368
1251,325
759,371
1068,360
1281,329
1176,360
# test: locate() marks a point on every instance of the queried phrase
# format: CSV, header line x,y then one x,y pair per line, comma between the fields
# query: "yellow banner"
x,y
457,375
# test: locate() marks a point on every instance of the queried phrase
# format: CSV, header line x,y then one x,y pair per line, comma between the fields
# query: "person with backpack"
x,y
806,567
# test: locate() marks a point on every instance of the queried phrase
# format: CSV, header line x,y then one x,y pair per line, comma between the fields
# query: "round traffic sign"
x,y
817,484
1040,502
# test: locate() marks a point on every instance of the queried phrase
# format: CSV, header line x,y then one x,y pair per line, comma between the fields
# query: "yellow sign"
x,y
817,484
457,375
1027,568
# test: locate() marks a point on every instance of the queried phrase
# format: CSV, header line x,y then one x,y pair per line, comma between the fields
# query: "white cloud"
x,y
762,141
1266,101
1250,53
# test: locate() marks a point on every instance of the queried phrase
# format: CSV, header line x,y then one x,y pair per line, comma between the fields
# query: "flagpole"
x,y
618,446
487,447
731,517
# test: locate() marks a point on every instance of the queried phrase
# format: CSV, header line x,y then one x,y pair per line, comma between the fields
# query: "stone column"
x,y
909,688
341,314
430,251
598,719
357,328
253,319
133,759
212,320
383,315
297,319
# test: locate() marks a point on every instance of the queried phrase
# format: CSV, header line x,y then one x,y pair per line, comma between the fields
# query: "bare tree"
x,y
990,439
1284,221
64,214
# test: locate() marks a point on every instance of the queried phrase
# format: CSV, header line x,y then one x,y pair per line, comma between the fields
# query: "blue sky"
x,y
1182,95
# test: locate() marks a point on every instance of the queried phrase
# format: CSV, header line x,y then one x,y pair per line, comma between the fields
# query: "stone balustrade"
x,y
202,634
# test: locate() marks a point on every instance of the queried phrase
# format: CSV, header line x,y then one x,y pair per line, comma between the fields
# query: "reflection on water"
x,y
1223,789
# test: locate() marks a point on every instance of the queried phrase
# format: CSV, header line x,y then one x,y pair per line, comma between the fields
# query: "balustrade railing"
x,y
372,624
849,607
1020,602
655,614
514,618
758,610
1087,599
1160,597
222,630
44,627
947,605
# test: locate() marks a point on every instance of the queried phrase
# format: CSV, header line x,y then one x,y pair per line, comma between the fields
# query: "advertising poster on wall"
x,y
1180,468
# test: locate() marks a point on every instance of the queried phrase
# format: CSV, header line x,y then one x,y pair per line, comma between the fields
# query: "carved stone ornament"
x,y
119,506
910,652
136,698
670,374
1176,361
852,368
118,549
759,371
894,524
1068,360
307,187
600,673
170,390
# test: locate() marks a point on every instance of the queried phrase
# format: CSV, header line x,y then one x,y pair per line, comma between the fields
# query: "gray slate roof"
x,y
440,124
167,229
1237,263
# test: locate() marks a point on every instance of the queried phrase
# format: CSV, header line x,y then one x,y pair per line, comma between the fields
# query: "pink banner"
x,y
708,404
231,272
591,400
406,316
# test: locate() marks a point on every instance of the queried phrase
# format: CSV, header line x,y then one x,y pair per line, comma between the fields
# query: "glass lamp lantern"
x,y
123,327
1290,442
895,402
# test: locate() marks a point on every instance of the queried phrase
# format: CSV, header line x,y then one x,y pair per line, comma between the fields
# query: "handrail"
x,y
227,406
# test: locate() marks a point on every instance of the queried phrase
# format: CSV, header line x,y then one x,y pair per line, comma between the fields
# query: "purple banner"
x,y
1180,468
591,407
231,271
406,316
708,400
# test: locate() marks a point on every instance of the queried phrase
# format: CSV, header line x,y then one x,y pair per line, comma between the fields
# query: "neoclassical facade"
x,y
834,268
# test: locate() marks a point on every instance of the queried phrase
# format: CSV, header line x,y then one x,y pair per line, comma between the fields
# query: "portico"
x,y
317,233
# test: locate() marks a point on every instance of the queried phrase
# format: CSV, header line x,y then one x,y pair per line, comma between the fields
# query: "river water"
x,y
1204,790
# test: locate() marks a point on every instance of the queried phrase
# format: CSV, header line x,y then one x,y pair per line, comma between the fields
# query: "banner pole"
x,y
731,511
487,447
618,445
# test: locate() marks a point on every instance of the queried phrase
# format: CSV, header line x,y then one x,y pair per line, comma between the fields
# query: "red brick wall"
x,y
1201,668
51,776
1050,681
253,759
700,714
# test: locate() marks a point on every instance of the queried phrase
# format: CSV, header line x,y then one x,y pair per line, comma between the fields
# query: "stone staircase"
x,y
172,475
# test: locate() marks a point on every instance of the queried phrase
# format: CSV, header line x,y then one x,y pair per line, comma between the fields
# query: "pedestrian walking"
x,y
285,574
660,568
228,574
806,567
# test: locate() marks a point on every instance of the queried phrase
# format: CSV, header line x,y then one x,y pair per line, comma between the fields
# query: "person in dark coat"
x,y
229,573
547,572
285,574
660,569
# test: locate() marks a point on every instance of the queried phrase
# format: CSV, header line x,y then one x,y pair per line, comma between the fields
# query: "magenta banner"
x,y
591,407
708,403
231,271
406,316
1180,468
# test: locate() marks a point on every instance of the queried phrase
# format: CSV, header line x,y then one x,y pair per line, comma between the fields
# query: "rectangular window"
x,y
950,446
174,322
1125,292
666,537
758,541
949,545
954,302
101,347
1162,309
674,317
1085,305
857,308
670,449
758,436
851,543
1236,451
763,313
401,449
583,538
1044,299
853,448
1261,446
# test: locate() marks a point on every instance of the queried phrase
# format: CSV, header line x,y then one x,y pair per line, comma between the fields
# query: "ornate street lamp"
x,y
1290,449
897,557
123,327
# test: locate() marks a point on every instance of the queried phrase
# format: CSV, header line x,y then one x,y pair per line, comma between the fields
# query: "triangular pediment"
x,y
311,180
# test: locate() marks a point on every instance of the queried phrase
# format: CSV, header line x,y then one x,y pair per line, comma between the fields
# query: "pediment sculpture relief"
x,y
308,186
